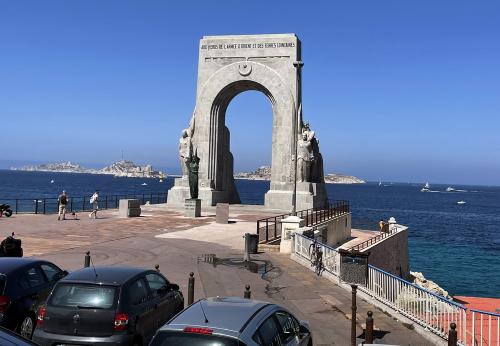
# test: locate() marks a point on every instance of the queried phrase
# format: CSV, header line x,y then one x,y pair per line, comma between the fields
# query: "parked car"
x,y
25,284
232,322
107,305
8,338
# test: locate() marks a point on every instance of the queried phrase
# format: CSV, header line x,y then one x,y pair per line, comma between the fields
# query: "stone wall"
x,y
335,231
338,230
391,254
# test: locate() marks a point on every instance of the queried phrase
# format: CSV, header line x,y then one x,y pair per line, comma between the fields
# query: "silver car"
x,y
233,322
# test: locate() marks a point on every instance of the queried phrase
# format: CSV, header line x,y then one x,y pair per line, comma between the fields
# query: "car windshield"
x,y
179,338
83,296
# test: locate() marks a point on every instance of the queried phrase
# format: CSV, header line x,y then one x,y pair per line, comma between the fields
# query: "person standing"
x,y
95,206
62,200
381,225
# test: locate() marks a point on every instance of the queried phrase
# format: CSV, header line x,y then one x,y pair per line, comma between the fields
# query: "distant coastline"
x,y
121,168
264,173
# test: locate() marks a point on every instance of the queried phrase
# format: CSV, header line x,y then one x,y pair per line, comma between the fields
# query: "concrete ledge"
x,y
268,248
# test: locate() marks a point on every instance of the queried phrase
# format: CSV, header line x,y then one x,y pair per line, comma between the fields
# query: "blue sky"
x,y
396,91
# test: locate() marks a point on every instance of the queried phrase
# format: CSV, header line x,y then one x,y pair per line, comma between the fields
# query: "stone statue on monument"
x,y
311,170
193,168
304,158
185,144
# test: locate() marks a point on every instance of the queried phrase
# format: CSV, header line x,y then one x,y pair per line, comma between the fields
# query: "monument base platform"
x,y
192,207
279,197
309,195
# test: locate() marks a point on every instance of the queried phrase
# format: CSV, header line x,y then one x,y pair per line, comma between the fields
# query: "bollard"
x,y
246,253
157,267
86,262
191,289
353,315
452,335
247,294
369,328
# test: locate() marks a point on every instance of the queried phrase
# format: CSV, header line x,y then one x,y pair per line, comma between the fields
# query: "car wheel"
x,y
27,327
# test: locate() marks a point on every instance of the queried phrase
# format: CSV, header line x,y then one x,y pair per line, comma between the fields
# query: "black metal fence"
x,y
269,229
80,203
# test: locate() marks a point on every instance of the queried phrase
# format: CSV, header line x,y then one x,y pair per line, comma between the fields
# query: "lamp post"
x,y
298,65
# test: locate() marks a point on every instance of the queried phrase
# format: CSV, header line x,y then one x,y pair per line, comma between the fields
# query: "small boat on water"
x,y
52,181
450,189
461,202
426,187
379,183
144,184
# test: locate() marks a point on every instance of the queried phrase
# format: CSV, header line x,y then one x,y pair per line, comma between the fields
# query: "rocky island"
x,y
121,168
264,173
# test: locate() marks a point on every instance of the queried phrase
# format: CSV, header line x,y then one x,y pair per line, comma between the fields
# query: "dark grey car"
x,y
107,306
233,322
25,284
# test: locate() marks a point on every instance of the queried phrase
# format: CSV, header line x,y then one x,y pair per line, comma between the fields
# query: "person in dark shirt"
x,y
62,200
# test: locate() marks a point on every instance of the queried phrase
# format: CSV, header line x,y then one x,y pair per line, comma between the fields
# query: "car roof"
x,y
11,264
105,275
223,313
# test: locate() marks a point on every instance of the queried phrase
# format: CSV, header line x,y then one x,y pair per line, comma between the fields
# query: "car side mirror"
x,y
61,274
173,287
304,328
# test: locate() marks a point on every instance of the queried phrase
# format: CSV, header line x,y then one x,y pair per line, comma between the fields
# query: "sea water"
x,y
455,245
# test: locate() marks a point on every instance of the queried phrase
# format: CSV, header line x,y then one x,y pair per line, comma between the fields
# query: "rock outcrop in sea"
x,y
264,173
420,280
121,168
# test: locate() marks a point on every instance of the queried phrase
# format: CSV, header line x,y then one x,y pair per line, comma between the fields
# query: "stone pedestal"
x,y
222,213
129,208
288,226
192,207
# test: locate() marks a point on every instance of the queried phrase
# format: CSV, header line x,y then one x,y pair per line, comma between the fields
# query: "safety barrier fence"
x,y
484,328
269,229
433,312
369,242
80,203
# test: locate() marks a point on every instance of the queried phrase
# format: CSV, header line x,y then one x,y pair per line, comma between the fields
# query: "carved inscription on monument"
x,y
222,46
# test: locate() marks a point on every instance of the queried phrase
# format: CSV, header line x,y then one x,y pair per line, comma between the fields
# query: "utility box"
x,y
353,267
129,208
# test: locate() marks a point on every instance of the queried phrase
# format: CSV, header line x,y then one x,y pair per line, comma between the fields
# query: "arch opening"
x,y
249,119
223,169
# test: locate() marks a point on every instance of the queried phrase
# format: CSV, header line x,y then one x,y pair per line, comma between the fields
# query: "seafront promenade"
x,y
163,236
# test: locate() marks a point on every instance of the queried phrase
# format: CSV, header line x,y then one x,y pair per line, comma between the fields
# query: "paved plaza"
x,y
180,245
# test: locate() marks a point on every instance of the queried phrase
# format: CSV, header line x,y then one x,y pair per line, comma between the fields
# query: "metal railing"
x,y
485,328
76,204
369,242
428,309
331,257
433,312
269,229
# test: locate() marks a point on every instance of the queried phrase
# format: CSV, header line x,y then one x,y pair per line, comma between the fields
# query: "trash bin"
x,y
252,241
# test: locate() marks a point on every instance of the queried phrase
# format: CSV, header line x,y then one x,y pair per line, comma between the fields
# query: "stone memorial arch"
x,y
228,66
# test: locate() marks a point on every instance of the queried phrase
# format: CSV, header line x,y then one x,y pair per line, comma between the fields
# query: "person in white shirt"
x,y
95,206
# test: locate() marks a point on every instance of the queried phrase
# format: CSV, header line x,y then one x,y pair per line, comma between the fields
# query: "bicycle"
x,y
316,257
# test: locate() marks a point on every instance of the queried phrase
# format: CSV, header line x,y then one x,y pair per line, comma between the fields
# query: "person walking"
x,y
95,204
62,200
